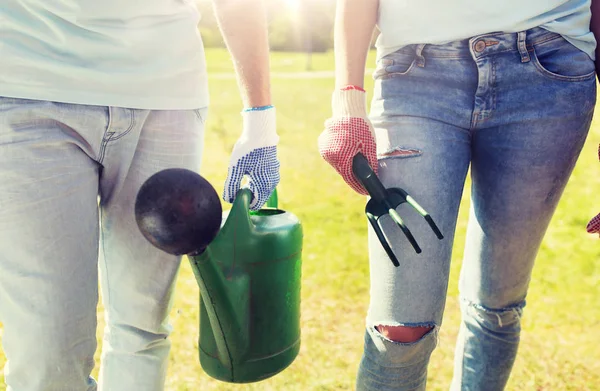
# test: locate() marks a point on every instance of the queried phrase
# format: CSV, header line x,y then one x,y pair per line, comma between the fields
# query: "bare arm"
x,y
595,27
243,24
354,24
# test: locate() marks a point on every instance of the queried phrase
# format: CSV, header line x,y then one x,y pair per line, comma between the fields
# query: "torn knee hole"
x,y
400,152
403,334
497,317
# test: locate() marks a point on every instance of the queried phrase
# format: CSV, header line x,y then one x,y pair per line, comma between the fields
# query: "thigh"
x,y
421,113
433,174
520,166
423,148
137,278
48,237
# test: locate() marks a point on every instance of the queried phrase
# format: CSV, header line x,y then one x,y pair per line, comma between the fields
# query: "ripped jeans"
x,y
516,109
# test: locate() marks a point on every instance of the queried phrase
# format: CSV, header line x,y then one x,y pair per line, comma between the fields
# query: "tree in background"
x,y
302,26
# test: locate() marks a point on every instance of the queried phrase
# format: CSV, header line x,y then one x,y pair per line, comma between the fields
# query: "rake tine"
x,y
382,239
396,217
434,227
411,201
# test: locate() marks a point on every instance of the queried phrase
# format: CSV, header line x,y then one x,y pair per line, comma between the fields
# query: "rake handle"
x,y
366,176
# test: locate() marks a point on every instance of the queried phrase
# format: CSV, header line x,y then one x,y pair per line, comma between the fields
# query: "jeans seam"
x,y
543,40
131,125
108,136
105,141
384,74
447,56
107,300
462,362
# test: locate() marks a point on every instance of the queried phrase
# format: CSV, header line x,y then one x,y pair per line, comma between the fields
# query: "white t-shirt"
x,y
130,53
405,22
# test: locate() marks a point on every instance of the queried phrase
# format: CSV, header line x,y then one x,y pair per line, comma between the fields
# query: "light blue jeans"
x,y
516,109
56,162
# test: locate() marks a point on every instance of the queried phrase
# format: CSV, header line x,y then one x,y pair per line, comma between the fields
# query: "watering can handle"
x,y
241,209
273,202
239,215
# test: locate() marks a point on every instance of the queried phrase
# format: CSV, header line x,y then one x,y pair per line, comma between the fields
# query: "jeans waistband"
x,y
484,44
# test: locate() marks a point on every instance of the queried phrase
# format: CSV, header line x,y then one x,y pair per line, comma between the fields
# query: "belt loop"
x,y
522,44
420,58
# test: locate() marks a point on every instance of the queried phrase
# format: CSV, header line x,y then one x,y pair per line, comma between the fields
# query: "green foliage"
x,y
282,63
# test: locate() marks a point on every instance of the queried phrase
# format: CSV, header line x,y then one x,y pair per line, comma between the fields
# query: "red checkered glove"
x,y
347,133
593,226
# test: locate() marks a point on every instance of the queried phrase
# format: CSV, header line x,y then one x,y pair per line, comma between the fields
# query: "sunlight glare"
x,y
294,5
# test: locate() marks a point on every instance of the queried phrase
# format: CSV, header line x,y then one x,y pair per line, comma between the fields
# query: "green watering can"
x,y
249,279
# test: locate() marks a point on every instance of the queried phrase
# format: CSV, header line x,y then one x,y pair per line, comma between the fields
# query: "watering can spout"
x,y
228,316
224,289
249,279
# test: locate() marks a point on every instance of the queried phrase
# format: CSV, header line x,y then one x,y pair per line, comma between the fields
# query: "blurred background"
x,y
295,25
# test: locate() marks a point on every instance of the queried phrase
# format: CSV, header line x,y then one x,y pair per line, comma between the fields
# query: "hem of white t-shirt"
x,y
580,44
89,99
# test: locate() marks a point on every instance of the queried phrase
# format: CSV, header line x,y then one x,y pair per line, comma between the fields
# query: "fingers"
x,y
593,226
370,152
341,140
232,183
348,175
262,167
262,183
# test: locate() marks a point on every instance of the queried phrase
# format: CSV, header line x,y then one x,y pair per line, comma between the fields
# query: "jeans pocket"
x,y
399,63
558,59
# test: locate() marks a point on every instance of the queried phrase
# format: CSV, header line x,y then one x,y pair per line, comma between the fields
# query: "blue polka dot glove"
x,y
254,155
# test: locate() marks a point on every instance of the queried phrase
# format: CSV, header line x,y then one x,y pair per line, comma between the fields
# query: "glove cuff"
x,y
259,128
349,103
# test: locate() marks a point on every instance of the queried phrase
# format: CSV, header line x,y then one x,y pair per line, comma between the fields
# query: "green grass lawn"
x,y
219,61
559,349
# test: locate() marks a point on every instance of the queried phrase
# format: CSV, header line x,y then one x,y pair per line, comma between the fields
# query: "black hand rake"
x,y
384,202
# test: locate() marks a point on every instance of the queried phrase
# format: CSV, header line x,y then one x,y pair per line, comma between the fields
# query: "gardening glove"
x,y
254,155
347,133
594,225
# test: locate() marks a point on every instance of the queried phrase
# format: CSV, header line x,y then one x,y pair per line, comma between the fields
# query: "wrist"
x,y
260,124
344,78
349,101
352,87
258,108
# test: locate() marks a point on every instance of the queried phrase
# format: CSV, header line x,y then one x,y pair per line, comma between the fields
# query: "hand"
x,y
255,155
594,225
347,133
